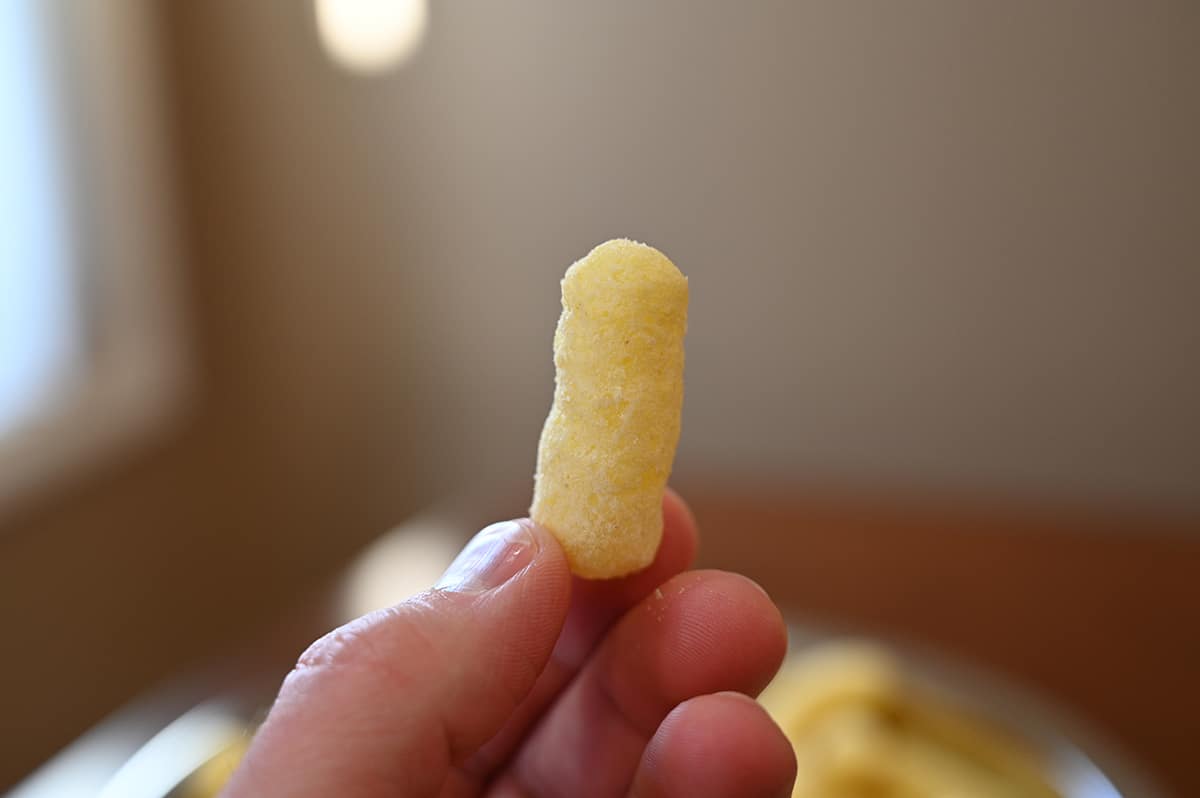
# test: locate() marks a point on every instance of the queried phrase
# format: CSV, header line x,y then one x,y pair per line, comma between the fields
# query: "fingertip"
x,y
773,625
544,585
735,609
549,556
698,633
721,744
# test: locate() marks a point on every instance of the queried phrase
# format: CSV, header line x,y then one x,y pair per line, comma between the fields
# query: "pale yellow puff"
x,y
860,725
609,441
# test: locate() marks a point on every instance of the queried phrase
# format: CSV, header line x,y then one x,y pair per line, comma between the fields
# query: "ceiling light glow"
x,y
371,36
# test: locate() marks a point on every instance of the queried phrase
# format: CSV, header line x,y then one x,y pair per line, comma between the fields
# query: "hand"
x,y
511,678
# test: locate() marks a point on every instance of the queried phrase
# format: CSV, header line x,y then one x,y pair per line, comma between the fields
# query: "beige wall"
x,y
940,242
935,243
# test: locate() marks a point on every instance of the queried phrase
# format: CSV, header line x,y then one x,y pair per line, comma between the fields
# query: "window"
x,y
90,356
39,319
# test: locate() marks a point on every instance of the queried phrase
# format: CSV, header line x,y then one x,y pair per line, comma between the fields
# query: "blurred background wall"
x,y
932,245
945,243
938,242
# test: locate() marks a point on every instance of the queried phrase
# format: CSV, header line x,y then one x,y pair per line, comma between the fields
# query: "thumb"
x,y
389,703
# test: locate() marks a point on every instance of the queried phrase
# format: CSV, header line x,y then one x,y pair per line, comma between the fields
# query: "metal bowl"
x,y
1079,761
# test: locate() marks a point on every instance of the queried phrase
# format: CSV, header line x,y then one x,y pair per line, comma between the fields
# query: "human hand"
x,y
512,678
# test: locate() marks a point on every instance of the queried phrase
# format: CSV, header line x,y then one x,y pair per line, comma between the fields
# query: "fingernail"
x,y
493,556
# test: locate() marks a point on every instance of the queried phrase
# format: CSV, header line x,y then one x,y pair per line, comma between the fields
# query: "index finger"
x,y
595,606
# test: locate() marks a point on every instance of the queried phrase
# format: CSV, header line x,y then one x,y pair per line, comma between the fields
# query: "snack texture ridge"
x,y
609,441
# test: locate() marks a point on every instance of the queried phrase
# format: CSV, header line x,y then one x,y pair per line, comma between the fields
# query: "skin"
x,y
513,678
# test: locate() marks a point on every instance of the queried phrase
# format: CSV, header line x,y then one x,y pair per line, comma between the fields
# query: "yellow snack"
x,y
609,441
861,727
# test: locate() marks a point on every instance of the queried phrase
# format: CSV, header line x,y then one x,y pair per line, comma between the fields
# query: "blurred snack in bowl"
x,y
211,777
863,728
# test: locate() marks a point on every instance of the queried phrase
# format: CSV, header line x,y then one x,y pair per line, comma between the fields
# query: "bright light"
x,y
371,35
405,561
38,317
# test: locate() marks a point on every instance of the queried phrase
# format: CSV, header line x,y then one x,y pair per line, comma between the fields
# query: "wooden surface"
x,y
1100,614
